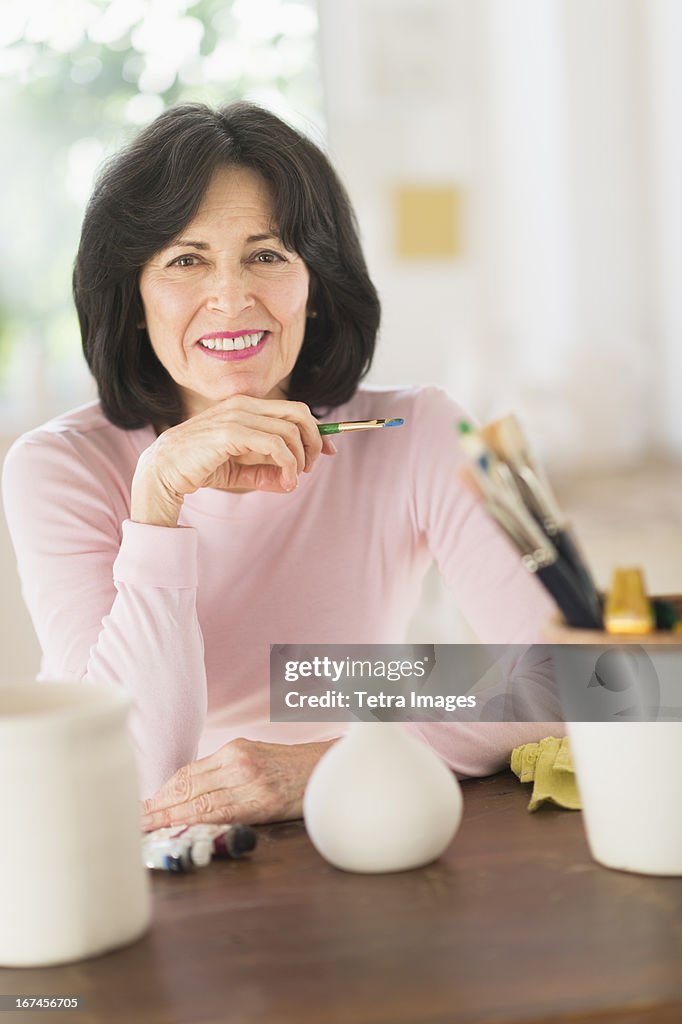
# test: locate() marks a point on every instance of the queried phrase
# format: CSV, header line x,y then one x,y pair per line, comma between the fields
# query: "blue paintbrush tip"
x,y
394,423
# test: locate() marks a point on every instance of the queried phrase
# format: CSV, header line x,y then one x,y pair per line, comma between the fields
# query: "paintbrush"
x,y
342,428
507,440
542,561
532,543
498,487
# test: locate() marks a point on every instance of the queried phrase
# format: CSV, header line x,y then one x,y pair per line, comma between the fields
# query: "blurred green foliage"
x,y
76,80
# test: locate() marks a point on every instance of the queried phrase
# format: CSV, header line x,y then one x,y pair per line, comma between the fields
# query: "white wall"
x,y
558,121
661,22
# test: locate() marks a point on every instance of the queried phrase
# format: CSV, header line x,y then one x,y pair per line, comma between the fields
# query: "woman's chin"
x,y
197,401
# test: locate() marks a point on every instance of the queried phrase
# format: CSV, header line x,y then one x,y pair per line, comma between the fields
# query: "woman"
x,y
167,534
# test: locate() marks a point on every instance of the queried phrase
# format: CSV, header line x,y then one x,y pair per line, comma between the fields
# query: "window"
x,y
77,78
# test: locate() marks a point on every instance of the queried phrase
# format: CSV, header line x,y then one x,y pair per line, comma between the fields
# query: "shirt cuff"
x,y
157,556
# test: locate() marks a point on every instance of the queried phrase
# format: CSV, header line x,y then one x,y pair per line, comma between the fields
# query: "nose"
x,y
229,291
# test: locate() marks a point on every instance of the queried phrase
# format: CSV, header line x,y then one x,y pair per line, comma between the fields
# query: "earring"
x,y
312,314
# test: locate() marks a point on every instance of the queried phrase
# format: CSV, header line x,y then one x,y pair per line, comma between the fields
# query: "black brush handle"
x,y
568,551
560,581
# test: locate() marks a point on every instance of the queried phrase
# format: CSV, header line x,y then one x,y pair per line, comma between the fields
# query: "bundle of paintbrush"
x,y
518,496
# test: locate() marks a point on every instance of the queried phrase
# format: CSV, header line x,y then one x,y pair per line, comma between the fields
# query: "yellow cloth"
x,y
549,766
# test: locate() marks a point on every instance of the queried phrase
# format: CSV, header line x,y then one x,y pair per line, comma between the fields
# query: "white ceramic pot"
x,y
381,800
72,883
630,780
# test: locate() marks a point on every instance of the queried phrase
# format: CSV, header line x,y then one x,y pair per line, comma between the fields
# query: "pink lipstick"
x,y
242,344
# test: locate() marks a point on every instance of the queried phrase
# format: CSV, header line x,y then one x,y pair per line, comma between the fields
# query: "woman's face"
x,y
225,304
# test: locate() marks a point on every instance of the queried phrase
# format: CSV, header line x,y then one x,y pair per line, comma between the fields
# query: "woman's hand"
x,y
244,781
242,442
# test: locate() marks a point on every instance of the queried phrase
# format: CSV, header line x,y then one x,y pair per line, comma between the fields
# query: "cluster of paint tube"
x,y
182,848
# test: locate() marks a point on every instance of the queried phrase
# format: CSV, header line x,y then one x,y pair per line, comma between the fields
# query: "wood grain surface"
x,y
515,923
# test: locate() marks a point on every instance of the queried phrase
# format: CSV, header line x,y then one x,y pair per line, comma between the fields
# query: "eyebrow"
x,y
190,243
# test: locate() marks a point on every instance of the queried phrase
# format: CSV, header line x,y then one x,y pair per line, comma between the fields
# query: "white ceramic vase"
x,y
381,800
72,882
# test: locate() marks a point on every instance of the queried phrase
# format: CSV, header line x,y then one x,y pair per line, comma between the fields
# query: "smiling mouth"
x,y
225,342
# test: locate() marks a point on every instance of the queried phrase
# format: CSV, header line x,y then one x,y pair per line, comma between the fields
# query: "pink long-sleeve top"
x,y
183,618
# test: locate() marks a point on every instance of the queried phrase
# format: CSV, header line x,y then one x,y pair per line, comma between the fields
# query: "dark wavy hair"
x,y
145,196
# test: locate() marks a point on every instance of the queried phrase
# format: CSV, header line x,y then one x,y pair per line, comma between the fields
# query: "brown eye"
x,y
184,261
268,257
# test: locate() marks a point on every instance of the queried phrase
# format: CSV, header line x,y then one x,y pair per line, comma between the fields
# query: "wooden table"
x,y
514,924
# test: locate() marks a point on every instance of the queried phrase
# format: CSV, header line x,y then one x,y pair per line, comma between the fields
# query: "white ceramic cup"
x,y
630,780
629,773
72,882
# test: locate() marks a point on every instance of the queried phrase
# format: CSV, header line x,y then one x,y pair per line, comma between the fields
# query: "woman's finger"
x,y
244,439
199,778
288,430
214,802
195,793
189,782
212,808
244,780
295,412
258,477
300,413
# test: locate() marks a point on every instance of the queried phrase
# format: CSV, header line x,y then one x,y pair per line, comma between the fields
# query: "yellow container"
x,y
557,632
